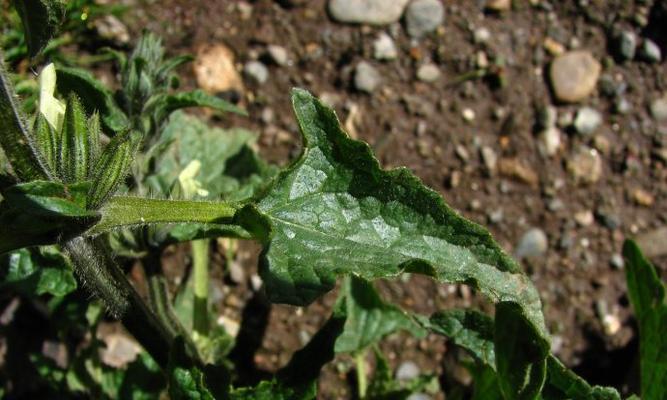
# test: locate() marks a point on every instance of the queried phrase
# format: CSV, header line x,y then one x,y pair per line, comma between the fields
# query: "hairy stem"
x,y
97,272
200,274
362,383
128,211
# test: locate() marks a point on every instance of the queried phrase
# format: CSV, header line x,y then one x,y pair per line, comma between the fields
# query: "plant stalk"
x,y
97,272
362,383
200,258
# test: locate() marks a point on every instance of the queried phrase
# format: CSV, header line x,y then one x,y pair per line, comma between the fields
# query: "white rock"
x,y
587,121
373,12
384,47
256,71
407,370
574,75
428,72
659,109
278,55
549,141
533,243
215,71
585,166
481,35
423,16
366,77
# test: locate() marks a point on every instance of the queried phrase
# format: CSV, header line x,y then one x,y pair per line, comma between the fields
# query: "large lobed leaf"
x,y
647,295
335,211
38,271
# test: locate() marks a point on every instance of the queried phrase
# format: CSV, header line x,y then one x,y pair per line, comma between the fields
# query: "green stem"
x,y
129,211
98,273
362,383
200,274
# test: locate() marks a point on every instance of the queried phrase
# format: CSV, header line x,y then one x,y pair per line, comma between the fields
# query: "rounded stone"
x,y
256,71
650,51
585,166
428,72
423,16
587,121
373,12
574,75
366,77
626,44
659,109
384,47
533,243
407,370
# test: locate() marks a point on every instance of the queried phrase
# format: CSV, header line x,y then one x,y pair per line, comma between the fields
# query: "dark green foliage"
x,y
41,21
647,295
36,272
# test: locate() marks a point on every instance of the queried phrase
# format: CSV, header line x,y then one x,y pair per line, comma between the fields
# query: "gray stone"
x,y
659,109
428,72
533,243
366,77
626,43
481,35
549,141
574,75
236,272
278,54
585,166
653,243
423,16
384,47
622,106
407,370
490,159
256,71
650,51
617,261
587,121
555,204
373,12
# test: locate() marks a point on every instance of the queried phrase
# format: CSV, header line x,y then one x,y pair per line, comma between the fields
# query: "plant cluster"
x,y
75,189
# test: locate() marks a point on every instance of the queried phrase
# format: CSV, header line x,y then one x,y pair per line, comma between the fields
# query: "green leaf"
x,y
95,97
38,271
565,384
186,381
369,319
469,329
273,390
48,141
334,211
143,380
41,20
485,382
521,353
15,140
74,154
51,199
647,295
165,104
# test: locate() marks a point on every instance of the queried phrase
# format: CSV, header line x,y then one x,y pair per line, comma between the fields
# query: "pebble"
x,y
256,71
428,72
119,351
659,109
406,371
611,324
587,121
555,204
513,168
626,45
384,47
650,51
236,272
622,106
215,71
111,28
366,77
549,141
468,114
533,243
490,159
278,54
423,16
585,166
653,243
584,218
499,5
643,198
553,47
256,282
481,35
419,396
574,75
617,261
373,12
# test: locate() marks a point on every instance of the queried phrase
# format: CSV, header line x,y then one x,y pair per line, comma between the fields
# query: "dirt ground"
x,y
422,125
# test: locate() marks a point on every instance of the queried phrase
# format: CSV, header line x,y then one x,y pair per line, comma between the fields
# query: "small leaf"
x,y
647,295
94,133
41,20
186,381
165,104
273,390
48,141
49,199
469,329
369,319
74,152
39,271
95,97
15,140
112,167
521,353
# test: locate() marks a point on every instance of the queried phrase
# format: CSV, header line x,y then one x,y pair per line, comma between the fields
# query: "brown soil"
x,y
419,125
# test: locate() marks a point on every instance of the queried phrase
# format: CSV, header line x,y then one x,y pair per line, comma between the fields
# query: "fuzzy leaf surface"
x,y
647,295
41,20
38,271
335,211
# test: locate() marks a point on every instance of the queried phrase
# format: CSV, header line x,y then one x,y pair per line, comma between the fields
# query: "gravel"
x,y
587,121
278,55
366,77
256,71
650,51
659,109
407,370
428,72
626,45
423,16
373,12
533,243
574,76
384,47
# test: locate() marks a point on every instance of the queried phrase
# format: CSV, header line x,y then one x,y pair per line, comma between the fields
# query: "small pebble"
x,y
423,16
366,77
585,166
481,35
278,55
584,218
406,371
659,109
649,51
419,396
468,114
587,121
549,141
533,243
574,75
373,12
256,71
622,106
384,47
428,72
611,324
499,5
490,159
617,261
626,44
